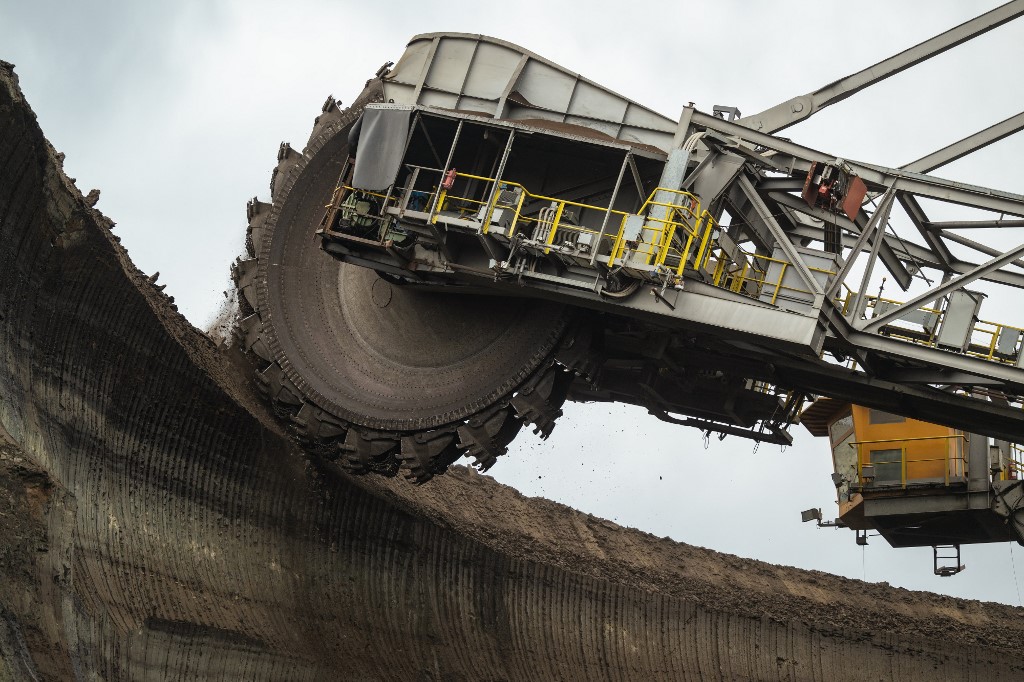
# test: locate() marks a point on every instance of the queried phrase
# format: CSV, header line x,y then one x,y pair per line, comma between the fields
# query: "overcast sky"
x,y
175,111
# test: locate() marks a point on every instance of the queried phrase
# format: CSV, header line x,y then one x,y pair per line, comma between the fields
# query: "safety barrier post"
x,y
903,457
778,285
554,225
949,444
666,242
519,208
438,206
719,270
708,226
992,344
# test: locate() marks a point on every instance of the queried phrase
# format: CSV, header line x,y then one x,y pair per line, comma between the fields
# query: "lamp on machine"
x,y
815,515
867,473
810,515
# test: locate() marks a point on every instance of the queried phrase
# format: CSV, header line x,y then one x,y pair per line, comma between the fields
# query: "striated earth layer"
x,y
156,522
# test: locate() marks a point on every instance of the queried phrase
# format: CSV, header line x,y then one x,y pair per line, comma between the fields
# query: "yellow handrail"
x,y
904,460
982,327
685,215
1015,463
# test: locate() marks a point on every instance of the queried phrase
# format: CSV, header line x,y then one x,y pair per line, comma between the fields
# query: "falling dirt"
x,y
158,522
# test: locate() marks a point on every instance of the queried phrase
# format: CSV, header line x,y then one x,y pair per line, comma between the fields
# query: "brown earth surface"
x,y
157,522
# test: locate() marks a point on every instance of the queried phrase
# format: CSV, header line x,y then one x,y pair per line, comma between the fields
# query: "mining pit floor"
x,y
157,522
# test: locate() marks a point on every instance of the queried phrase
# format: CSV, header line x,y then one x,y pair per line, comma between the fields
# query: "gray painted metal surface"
x,y
477,73
772,222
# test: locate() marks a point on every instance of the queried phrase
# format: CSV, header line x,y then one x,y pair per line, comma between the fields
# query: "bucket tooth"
x,y
422,452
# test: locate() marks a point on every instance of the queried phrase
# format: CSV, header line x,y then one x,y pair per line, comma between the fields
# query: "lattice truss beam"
x,y
939,270
772,279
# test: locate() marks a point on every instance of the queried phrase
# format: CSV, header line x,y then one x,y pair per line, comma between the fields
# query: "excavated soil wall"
x,y
157,523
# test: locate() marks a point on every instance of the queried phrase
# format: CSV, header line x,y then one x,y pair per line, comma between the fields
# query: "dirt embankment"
x,y
155,523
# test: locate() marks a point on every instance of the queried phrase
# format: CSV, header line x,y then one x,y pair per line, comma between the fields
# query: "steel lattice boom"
x,y
537,237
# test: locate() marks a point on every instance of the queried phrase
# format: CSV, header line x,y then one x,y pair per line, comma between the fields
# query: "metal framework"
x,y
768,283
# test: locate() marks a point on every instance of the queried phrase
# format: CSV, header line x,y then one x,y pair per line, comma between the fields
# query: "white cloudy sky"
x,y
175,110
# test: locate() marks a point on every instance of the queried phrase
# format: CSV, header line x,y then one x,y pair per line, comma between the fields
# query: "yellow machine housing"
x,y
917,483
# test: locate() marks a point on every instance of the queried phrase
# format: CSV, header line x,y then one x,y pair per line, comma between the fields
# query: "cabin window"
x,y
888,465
881,417
844,459
840,428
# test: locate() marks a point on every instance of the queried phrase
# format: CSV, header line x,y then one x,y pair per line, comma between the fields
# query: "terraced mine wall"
x,y
156,522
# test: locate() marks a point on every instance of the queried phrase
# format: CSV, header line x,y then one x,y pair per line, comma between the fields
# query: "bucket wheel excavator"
x,y
483,234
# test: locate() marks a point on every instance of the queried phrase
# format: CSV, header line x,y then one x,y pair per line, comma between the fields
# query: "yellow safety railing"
x,y
520,223
683,236
984,337
993,330
750,275
679,236
684,223
954,458
1015,465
